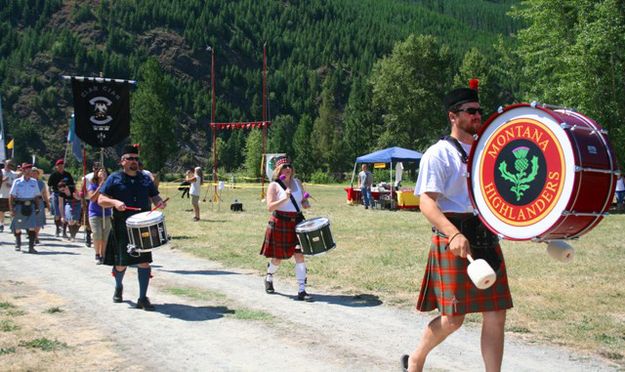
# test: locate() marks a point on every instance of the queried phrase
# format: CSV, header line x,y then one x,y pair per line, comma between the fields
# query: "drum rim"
x,y
155,218
320,253
546,224
299,228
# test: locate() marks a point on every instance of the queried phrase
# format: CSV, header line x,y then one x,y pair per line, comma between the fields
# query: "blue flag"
x,y
74,140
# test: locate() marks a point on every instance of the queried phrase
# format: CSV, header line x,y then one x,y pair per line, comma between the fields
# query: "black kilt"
x,y
117,246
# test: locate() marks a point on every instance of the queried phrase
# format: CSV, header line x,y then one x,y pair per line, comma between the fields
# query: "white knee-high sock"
x,y
271,269
300,275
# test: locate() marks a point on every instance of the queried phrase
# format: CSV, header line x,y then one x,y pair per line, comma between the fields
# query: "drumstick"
x,y
307,195
132,208
158,205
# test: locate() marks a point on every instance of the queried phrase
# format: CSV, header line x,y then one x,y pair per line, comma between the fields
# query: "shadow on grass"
x,y
191,313
181,237
361,300
201,272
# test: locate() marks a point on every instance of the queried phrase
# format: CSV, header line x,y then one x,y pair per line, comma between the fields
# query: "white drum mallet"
x,y
480,272
560,250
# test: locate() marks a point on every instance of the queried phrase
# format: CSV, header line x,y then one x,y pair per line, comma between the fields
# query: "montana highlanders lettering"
x,y
522,173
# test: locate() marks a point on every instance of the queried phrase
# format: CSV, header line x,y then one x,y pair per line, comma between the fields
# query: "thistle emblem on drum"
x,y
521,180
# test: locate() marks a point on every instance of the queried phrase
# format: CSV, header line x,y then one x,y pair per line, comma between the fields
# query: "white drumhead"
x,y
312,224
144,219
522,172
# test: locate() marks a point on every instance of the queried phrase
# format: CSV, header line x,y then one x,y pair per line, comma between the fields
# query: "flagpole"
x,y
3,154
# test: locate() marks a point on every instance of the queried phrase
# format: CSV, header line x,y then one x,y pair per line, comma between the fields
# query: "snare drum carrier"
x,y
146,232
541,173
314,234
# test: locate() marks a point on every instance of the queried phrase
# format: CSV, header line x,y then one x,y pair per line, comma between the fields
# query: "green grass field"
x,y
383,253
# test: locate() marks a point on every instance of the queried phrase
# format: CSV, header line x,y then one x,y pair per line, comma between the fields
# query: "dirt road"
x,y
212,318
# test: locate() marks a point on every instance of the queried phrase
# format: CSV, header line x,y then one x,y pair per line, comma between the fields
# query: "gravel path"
x,y
210,331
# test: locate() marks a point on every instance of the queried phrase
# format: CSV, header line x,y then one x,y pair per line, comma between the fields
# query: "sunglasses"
x,y
471,110
134,158
287,166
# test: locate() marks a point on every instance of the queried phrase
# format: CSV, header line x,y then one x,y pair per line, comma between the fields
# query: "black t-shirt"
x,y
56,177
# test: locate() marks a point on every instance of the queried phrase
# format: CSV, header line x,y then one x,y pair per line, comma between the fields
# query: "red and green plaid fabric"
x,y
446,286
280,238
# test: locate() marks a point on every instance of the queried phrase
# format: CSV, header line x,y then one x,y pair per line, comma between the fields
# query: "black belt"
x,y
456,219
24,202
284,217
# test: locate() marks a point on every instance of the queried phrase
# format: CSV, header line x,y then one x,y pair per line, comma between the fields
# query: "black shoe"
x,y
17,248
404,362
303,296
32,250
145,304
269,287
117,296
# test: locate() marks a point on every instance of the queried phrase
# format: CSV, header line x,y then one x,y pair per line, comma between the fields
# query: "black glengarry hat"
x,y
459,96
130,149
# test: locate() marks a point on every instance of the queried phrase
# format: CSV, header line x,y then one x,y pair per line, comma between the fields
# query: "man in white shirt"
x,y
23,201
8,176
445,202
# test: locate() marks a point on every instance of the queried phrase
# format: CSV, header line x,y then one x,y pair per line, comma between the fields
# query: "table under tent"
x,y
389,195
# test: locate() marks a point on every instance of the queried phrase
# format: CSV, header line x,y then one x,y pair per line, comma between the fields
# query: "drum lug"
x,y
584,214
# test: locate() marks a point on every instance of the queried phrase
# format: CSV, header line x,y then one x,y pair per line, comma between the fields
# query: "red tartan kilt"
x,y
280,238
446,286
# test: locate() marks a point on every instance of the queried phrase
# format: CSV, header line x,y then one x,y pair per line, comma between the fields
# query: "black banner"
x,y
102,111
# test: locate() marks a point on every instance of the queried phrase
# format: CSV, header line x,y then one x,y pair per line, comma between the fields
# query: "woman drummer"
x,y
285,199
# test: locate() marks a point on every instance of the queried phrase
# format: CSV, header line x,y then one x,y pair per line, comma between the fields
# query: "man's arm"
x,y
158,202
459,245
11,204
106,201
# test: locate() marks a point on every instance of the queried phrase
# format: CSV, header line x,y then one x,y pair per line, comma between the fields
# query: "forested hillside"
x,y
345,76
310,45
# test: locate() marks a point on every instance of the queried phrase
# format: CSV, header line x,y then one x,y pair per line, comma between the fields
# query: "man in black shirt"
x,y
57,176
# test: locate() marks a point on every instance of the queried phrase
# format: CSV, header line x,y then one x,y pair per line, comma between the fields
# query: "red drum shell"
x,y
579,179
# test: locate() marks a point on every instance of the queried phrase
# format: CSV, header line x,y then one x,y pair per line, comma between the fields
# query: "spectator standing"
x,y
365,181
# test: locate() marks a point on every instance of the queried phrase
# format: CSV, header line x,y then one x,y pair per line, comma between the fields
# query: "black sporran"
x,y
26,210
482,240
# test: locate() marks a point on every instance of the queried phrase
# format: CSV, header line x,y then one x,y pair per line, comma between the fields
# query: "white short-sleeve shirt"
x,y
441,171
25,189
5,187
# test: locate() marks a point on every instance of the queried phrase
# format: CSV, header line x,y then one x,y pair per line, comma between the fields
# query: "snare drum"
x,y
543,174
315,236
146,231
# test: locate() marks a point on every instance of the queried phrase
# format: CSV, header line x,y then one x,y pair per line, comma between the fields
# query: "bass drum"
x,y
541,173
